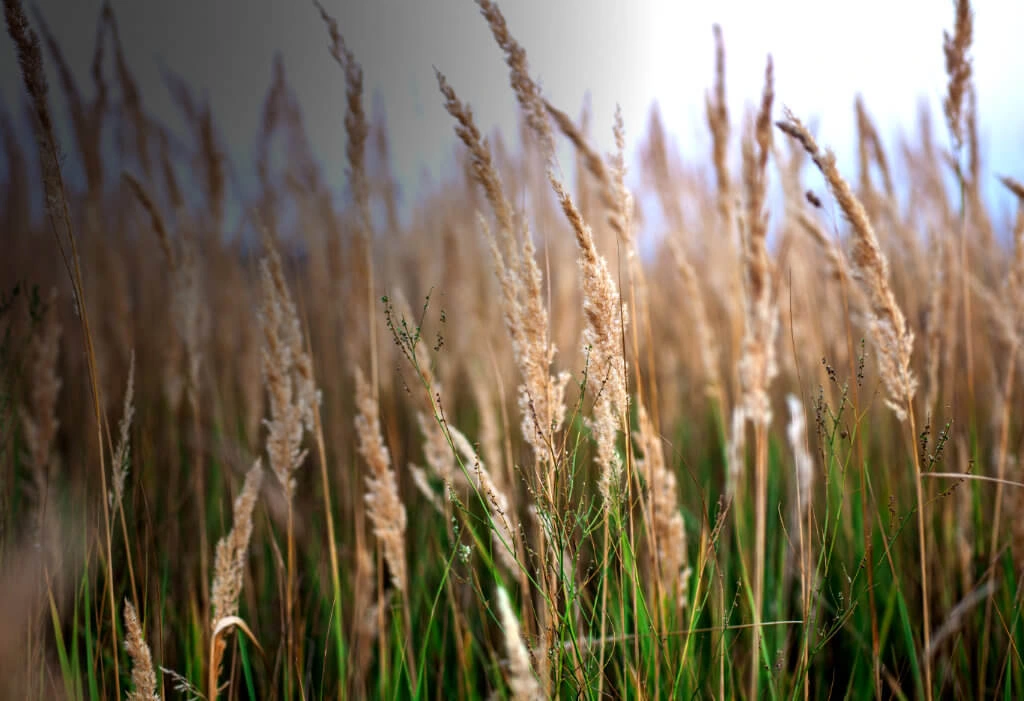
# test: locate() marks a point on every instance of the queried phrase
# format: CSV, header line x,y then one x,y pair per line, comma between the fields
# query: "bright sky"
x,y
630,53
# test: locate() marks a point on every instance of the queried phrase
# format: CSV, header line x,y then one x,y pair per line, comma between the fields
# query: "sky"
x,y
631,54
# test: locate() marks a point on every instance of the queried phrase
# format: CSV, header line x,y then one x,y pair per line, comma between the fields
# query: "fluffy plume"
x,y
717,110
143,674
888,326
384,505
958,68
229,564
758,365
527,91
603,341
541,395
796,432
287,373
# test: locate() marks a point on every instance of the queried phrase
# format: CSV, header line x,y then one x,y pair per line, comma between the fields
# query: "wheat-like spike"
x,y
481,161
603,334
803,465
229,564
717,110
156,219
892,336
958,68
383,502
526,89
871,146
541,395
287,374
603,341
143,674
758,365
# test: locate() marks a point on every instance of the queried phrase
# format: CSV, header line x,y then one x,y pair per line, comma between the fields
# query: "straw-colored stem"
x,y
923,555
1004,439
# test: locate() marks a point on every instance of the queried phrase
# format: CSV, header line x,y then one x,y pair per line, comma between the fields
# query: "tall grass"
x,y
528,409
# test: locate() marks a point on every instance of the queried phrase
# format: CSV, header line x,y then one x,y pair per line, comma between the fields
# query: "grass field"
x,y
518,447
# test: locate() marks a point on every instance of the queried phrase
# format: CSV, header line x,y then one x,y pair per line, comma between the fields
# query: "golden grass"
x,y
561,419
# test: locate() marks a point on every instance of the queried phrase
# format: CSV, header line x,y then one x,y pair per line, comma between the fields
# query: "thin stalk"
x,y
332,547
604,606
1004,439
919,492
760,532
289,603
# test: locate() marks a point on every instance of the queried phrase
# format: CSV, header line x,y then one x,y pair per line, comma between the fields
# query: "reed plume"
x,y
603,342
287,372
229,565
717,112
958,67
541,394
525,88
143,674
383,502
890,331
758,365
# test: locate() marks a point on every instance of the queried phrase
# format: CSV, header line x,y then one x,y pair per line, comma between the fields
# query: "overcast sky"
x,y
631,53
